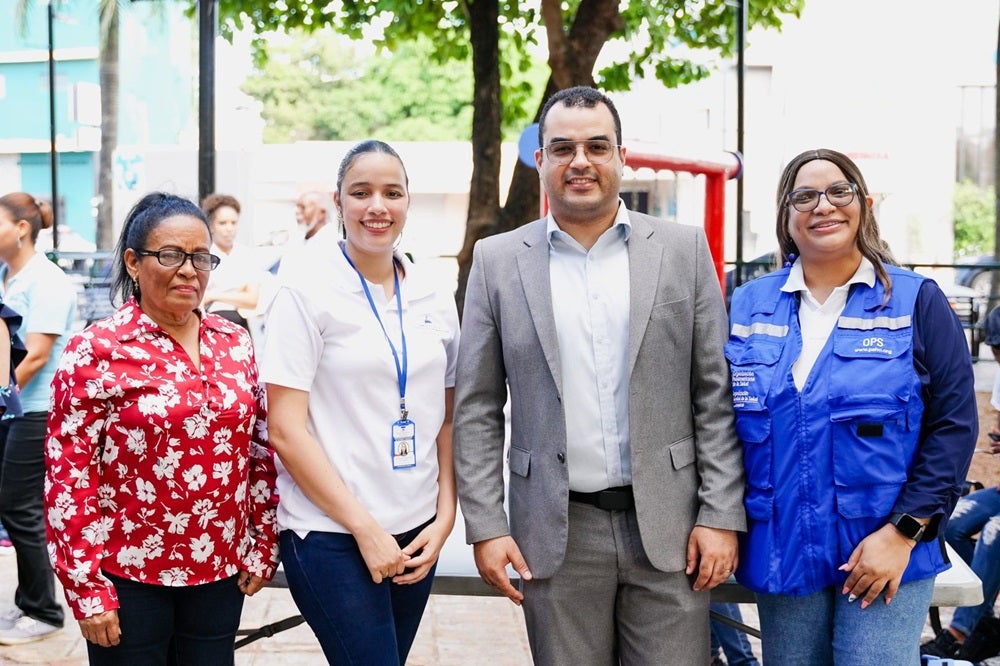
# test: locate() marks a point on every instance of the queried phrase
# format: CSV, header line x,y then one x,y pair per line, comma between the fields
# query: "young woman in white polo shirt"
x,y
359,360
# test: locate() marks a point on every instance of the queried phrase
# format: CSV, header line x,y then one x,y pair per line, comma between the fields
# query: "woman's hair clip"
x,y
790,259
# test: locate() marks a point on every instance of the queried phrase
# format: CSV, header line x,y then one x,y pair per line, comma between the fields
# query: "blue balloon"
x,y
528,144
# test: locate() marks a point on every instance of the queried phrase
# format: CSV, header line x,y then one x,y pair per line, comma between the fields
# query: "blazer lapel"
x,y
644,261
533,267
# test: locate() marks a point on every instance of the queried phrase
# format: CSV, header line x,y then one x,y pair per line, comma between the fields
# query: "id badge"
x,y
404,444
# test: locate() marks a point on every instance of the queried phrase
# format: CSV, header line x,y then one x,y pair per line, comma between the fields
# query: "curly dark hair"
x,y
214,202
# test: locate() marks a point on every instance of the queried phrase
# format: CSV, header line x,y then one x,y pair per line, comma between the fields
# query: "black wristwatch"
x,y
907,525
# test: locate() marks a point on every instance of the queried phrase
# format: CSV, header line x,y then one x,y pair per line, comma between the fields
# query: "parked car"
x,y
976,277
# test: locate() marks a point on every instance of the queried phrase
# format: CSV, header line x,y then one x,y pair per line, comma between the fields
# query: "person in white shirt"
x,y
359,361
234,287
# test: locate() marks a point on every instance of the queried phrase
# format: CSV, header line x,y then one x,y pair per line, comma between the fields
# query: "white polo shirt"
x,y
322,337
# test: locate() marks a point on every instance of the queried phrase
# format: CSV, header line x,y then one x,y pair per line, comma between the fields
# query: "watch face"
x,y
908,526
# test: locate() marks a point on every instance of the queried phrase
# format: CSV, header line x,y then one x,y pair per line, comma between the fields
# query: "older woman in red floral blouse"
x,y
160,497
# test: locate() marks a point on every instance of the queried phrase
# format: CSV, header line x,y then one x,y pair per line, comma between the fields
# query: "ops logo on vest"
x,y
873,345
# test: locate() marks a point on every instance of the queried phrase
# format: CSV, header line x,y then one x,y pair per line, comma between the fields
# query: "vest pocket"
x,y
868,446
752,364
754,430
759,504
875,501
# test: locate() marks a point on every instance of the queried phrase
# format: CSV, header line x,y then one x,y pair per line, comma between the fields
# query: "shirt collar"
x,y
622,221
131,322
865,274
418,284
25,270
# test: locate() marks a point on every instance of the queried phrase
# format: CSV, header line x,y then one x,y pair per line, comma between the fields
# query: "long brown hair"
x,y
869,240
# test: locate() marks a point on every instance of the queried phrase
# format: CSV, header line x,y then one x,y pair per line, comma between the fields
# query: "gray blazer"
x,y
687,464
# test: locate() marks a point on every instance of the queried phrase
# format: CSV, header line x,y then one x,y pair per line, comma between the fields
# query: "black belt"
x,y
610,499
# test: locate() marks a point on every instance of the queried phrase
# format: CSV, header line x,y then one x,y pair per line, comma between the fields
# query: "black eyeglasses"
x,y
806,199
203,261
597,151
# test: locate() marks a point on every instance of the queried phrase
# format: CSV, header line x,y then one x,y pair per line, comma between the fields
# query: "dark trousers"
x,y
355,620
192,625
22,512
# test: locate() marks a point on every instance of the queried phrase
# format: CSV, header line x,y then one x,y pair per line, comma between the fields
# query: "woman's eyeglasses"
x,y
203,261
806,200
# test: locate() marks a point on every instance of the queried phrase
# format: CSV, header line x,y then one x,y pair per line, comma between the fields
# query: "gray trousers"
x,y
607,605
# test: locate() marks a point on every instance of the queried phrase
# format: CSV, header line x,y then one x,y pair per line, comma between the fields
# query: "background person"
x,y
313,212
367,485
974,533
234,287
160,494
625,480
43,295
855,402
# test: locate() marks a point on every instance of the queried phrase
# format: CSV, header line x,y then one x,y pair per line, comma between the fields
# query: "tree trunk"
x,y
109,131
574,65
484,189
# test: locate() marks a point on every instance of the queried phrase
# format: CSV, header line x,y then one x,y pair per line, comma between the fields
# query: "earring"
x,y
18,242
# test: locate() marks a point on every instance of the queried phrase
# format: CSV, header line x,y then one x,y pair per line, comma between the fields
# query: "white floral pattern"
x,y
157,471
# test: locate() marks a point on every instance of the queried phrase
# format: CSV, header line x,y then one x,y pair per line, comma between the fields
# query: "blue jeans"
x,y
977,513
824,629
733,642
193,625
355,620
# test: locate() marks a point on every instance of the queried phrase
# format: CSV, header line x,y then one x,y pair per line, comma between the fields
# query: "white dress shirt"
x,y
816,320
590,304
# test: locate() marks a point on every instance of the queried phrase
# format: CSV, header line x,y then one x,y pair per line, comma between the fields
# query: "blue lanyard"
x,y
400,369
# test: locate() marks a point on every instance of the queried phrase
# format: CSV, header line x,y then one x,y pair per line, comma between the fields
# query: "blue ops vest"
x,y
825,465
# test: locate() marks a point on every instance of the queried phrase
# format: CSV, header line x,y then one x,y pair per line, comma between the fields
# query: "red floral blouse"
x,y
156,471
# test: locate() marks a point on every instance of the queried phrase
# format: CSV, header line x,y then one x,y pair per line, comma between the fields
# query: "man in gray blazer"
x,y
625,473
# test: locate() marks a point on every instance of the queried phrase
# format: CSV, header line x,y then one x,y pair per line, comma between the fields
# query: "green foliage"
x,y
975,219
661,35
317,87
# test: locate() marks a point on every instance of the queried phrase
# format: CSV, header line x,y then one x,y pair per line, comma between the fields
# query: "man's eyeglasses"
x,y
597,151
203,261
806,199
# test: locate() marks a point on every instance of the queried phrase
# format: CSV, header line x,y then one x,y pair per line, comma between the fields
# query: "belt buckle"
x,y
613,500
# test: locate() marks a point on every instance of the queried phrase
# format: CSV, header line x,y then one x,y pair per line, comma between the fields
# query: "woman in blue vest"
x,y
855,402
